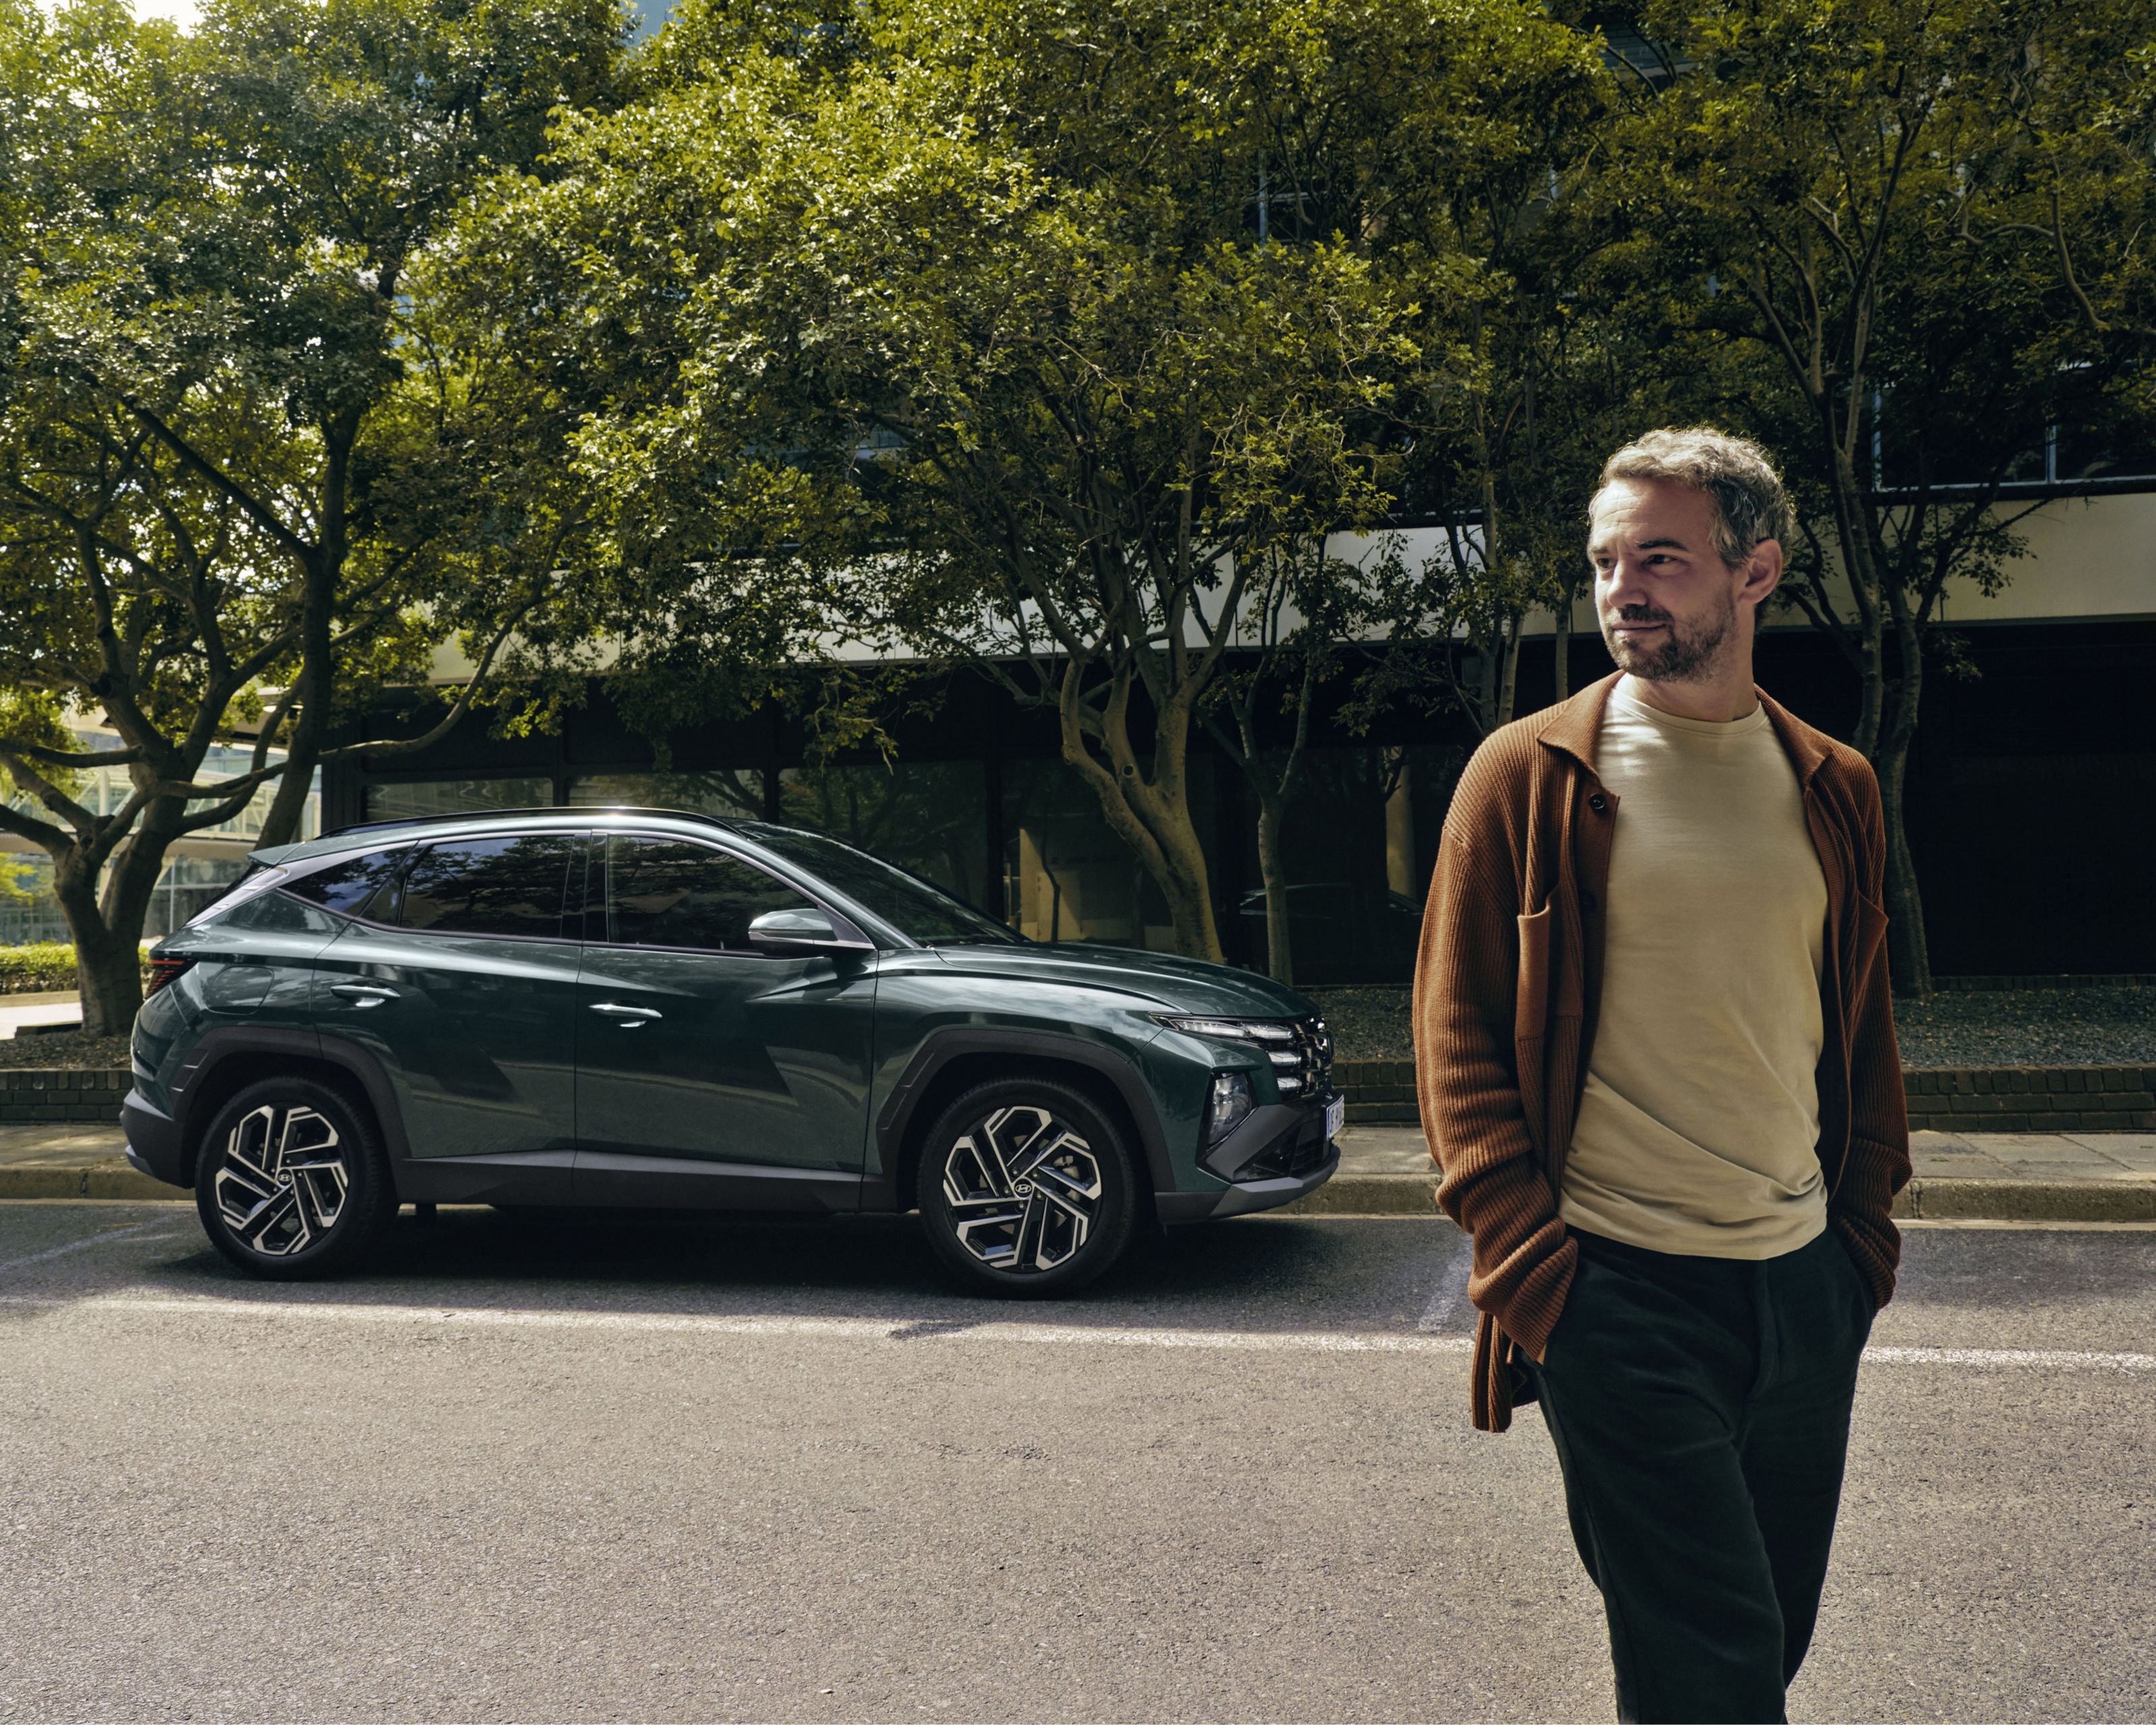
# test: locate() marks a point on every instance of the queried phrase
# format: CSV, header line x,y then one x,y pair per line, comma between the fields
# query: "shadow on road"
x,y
1284,1274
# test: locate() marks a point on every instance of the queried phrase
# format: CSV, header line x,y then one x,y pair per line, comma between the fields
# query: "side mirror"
x,y
801,931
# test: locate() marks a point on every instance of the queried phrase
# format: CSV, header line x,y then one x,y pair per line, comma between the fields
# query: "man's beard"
x,y
1674,656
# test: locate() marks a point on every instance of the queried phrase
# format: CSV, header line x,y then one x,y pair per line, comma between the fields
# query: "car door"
x,y
455,971
710,1072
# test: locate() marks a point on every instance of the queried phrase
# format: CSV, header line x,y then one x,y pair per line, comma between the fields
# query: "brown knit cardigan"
x,y
1506,987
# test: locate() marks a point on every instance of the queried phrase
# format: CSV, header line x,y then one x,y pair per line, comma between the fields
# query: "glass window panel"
x,y
727,793
189,886
918,909
669,892
490,886
929,816
1358,848
416,800
358,886
1068,877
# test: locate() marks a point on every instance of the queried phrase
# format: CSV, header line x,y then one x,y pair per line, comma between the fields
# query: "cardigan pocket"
x,y
1531,992
1530,1024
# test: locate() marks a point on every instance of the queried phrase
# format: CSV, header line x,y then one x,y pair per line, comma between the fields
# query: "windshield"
x,y
918,909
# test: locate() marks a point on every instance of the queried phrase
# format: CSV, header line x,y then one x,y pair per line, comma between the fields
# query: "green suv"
x,y
628,1008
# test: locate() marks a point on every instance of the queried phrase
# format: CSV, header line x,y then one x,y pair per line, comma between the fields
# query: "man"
x,y
1655,1048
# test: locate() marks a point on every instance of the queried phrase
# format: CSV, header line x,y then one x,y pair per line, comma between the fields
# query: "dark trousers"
x,y
1700,1407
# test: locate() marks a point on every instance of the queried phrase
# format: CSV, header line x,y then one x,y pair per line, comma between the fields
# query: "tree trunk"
x,y
1187,885
1908,953
1152,817
1272,870
1561,647
303,740
108,969
108,962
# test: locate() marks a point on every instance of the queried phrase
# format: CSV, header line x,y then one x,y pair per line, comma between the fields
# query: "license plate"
x,y
1336,1116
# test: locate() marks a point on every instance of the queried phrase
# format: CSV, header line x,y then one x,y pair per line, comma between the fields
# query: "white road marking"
x,y
2056,1357
76,1245
1448,1309
913,1332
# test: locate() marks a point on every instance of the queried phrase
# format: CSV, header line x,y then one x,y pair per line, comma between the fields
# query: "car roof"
x,y
363,835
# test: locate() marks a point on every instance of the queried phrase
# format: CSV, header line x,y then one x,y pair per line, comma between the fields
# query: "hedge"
x,y
38,968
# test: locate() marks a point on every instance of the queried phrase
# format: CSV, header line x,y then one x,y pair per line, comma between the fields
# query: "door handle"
x,y
363,995
629,1018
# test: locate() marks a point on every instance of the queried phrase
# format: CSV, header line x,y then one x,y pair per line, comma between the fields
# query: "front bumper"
x,y
1246,1196
1280,1153
153,1140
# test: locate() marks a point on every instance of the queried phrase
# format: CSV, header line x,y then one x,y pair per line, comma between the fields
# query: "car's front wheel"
x,y
1026,1187
291,1183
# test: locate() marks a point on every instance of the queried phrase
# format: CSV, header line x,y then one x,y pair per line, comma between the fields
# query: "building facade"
x,y
2032,788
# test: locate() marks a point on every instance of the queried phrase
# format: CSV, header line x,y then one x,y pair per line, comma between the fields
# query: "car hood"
x,y
1173,984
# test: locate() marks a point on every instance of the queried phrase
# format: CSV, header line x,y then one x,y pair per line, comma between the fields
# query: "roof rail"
x,y
576,810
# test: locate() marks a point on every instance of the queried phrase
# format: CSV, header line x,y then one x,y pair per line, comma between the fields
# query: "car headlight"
x,y
1277,1040
1230,1104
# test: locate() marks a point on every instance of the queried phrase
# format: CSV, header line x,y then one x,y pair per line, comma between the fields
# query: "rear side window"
x,y
358,886
490,886
667,892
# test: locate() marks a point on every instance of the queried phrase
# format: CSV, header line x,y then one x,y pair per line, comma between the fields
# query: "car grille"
x,y
1304,1070
1305,1154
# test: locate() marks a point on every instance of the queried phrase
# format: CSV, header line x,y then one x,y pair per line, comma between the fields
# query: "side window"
x,y
358,886
489,886
667,892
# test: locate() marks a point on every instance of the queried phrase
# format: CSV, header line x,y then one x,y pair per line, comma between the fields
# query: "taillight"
x,y
163,971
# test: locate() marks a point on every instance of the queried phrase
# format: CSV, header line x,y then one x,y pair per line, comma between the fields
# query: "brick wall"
x,y
58,1095
2033,1099
1378,1092
2005,1099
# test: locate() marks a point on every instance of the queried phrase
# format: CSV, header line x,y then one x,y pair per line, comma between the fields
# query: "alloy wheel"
x,y
284,1182
1024,1190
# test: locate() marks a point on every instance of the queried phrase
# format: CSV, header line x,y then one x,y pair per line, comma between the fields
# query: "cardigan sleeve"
x,y
1466,977
1877,1166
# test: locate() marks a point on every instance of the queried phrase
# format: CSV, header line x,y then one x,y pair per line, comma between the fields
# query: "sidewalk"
x,y
38,1012
2007,1176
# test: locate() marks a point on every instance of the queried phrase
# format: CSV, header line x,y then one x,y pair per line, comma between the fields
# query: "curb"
x,y
1936,1199
1923,1200
1941,1198
113,1180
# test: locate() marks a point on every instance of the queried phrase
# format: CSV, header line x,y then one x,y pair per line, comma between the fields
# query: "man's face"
x,y
1667,602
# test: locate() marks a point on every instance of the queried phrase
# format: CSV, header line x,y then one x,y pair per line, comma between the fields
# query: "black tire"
x,y
291,1183
1043,1229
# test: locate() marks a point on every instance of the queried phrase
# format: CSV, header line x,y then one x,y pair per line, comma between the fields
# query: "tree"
x,y
236,456
1006,364
1453,144
1860,235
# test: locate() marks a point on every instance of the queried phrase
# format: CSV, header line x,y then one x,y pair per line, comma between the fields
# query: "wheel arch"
x,y
229,1060
953,1061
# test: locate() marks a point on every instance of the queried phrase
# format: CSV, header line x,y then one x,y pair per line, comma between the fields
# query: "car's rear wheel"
x,y
291,1183
1026,1187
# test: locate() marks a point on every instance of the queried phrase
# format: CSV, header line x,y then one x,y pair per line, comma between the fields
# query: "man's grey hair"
x,y
1740,481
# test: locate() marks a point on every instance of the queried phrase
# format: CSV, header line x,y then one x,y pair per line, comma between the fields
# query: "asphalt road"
x,y
683,1471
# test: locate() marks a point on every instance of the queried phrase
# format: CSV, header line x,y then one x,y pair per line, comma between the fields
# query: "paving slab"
x,y
2090,1177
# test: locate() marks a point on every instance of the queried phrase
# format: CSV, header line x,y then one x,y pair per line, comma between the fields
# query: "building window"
x,y
416,799
929,816
1067,876
725,793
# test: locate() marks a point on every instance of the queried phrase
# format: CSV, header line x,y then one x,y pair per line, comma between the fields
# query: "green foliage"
x,y
43,966
1850,226
241,450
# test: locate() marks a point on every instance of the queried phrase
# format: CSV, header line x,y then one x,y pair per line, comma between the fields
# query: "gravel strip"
x,y
2003,1027
61,1048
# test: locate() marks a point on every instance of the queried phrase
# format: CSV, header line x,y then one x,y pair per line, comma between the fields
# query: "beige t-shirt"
x,y
1699,1123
